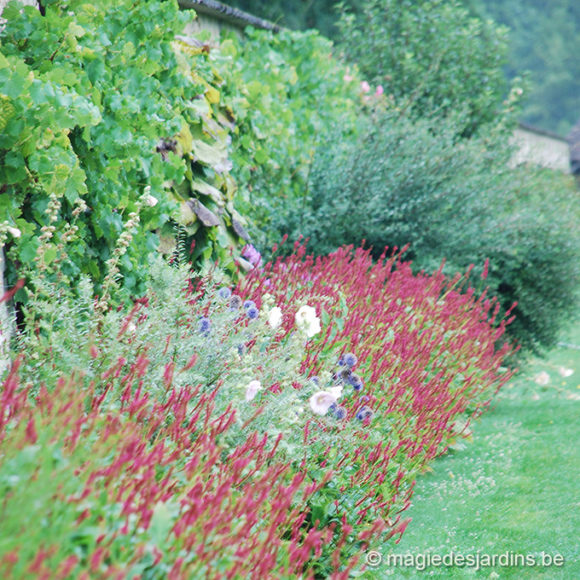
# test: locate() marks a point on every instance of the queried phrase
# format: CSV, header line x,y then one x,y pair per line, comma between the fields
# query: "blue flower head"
x,y
252,312
364,413
204,325
356,382
224,292
235,302
315,381
340,413
349,359
249,304
333,408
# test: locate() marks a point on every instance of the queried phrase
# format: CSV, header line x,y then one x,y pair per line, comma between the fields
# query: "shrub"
x,y
412,182
97,104
276,430
431,56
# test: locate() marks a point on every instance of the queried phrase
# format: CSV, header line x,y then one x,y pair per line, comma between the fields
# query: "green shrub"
x,y
99,102
411,182
431,56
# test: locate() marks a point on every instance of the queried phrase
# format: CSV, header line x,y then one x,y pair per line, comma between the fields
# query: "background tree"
x,y
544,43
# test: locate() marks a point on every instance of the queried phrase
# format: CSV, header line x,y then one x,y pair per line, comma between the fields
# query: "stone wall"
x,y
541,148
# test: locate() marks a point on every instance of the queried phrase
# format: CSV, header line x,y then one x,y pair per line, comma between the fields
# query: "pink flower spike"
x,y
379,91
365,87
347,78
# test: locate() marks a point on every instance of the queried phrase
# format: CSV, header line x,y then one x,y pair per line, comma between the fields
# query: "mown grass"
x,y
515,489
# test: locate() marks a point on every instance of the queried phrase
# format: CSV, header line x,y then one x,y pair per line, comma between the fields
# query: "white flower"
x,y
320,402
275,317
565,372
542,378
336,392
252,390
14,232
307,321
150,201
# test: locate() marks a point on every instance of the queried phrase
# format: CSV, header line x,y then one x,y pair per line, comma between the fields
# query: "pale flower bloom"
x,y
252,390
14,232
565,372
307,321
151,201
347,78
336,392
542,378
365,87
379,91
275,317
322,401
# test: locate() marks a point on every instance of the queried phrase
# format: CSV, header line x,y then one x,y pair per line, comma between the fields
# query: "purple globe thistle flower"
x,y
315,381
252,312
364,413
224,292
345,375
349,359
333,408
340,413
356,382
249,304
204,325
235,302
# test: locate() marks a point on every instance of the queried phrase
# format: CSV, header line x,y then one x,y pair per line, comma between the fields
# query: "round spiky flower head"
x,y
252,312
349,359
204,325
235,302
224,292
356,382
364,413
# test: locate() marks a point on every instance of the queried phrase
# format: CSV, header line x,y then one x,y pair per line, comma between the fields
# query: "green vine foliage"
x,y
287,91
97,103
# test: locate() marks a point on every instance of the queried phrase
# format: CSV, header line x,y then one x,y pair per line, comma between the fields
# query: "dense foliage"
x,y
544,44
99,104
411,182
287,92
430,56
272,431
543,41
271,426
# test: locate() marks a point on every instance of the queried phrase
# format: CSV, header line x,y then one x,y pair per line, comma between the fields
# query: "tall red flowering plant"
x,y
415,356
271,430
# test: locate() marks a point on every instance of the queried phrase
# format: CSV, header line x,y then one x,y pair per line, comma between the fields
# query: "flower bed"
x,y
273,429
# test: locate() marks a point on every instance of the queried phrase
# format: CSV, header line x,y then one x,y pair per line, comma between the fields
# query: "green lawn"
x,y
514,490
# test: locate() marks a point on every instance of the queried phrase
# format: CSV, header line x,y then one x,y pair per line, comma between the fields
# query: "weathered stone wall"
x,y
541,148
